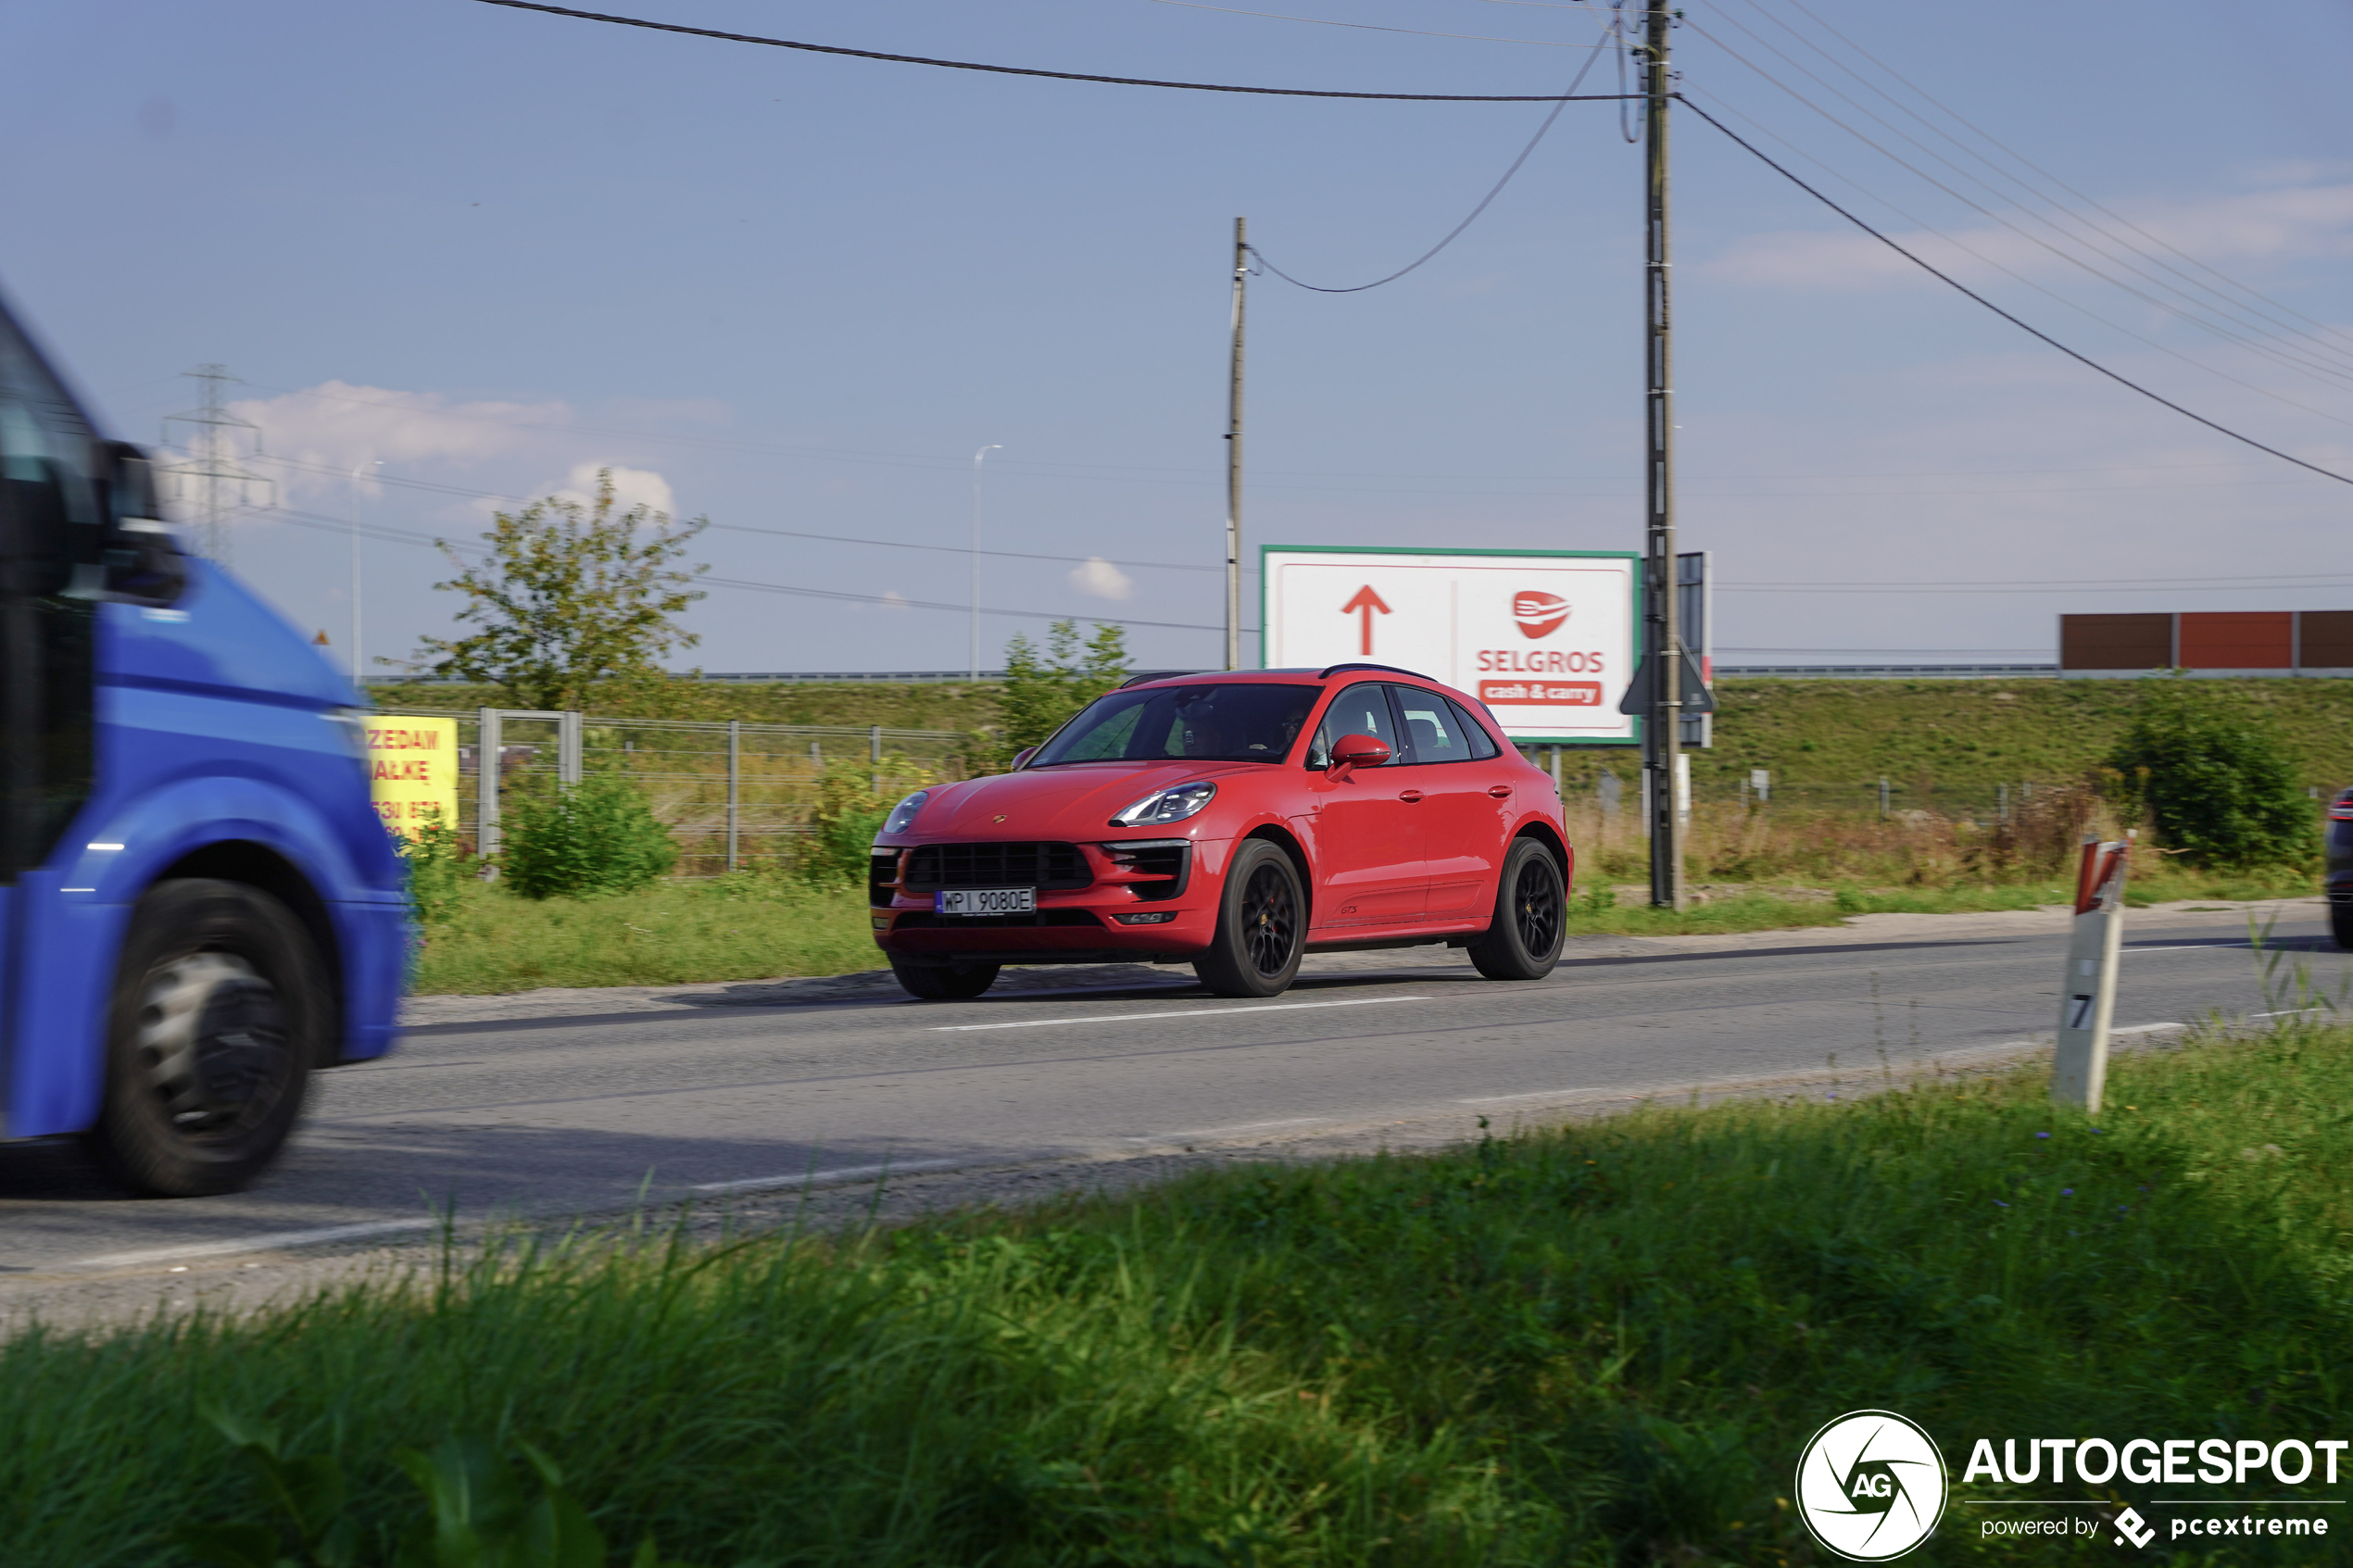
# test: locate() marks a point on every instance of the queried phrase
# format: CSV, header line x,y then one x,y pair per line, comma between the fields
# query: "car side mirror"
x,y
141,561
1351,752
1021,758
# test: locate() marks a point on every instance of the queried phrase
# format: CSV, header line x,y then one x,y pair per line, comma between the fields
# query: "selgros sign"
x,y
1545,638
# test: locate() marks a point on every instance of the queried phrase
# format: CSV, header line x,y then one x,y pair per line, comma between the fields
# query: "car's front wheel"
x,y
939,983
1262,926
220,1006
1523,943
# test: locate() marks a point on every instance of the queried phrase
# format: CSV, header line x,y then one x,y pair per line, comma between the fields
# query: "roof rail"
x,y
1331,671
1153,675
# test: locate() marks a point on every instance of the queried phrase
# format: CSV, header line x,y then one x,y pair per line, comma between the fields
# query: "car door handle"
x,y
1501,792
1409,796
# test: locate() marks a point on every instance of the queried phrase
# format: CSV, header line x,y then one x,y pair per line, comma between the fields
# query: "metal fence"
x,y
735,795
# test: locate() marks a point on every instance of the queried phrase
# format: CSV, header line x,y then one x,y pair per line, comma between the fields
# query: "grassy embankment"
x,y
1603,1345
1799,863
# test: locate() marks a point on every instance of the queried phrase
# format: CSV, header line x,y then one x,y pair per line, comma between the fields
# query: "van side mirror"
x,y
142,563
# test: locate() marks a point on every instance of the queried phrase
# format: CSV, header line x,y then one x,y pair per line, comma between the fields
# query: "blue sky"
x,y
491,251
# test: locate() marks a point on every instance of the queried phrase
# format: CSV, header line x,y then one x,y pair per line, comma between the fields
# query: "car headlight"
x,y
902,816
1167,806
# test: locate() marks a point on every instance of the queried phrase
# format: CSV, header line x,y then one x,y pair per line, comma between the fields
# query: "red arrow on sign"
x,y
1366,601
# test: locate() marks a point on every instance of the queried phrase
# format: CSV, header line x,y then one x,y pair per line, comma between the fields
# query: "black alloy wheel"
x,y
221,1007
1524,940
1261,925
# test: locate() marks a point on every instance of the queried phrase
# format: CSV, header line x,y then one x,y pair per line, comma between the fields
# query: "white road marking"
x,y
1156,1017
1237,1128
834,1177
2145,1028
266,1243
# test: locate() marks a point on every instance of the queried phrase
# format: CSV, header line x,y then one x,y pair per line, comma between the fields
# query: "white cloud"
x,y
893,599
631,488
2287,224
1101,580
320,434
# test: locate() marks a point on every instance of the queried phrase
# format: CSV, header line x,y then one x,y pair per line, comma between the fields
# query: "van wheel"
x,y
941,984
220,1006
1262,926
2341,925
1524,942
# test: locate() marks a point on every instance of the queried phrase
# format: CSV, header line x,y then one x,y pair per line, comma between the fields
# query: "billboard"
x,y
1547,639
412,770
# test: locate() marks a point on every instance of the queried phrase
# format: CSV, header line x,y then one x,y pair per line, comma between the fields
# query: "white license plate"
x,y
986,901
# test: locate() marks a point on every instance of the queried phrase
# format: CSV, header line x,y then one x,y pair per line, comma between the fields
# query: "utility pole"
x,y
1661,644
1234,454
211,467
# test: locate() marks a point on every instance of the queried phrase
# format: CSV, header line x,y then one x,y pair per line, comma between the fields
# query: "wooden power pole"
x,y
1234,454
1661,644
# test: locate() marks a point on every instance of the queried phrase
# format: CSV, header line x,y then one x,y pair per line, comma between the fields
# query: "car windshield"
x,y
1253,723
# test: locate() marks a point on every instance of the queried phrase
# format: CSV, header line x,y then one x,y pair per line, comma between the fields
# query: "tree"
x,y
573,596
1042,690
2219,788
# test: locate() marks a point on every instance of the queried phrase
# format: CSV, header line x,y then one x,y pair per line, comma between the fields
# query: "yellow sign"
x,y
412,770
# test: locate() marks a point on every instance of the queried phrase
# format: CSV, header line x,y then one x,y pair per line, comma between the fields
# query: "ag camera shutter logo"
x,y
1870,1486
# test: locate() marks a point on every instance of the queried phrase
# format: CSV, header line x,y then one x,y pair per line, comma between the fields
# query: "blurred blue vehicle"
x,y
2338,881
198,906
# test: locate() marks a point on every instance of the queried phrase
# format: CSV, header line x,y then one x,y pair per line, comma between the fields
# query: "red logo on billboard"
x,y
1540,615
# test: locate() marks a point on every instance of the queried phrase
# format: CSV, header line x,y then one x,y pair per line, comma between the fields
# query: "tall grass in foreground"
x,y
1597,1346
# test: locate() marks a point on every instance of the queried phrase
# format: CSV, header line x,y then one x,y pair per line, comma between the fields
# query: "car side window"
x,y
1482,744
1433,730
1359,710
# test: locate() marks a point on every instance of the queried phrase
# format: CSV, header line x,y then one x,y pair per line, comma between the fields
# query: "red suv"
x,y
1234,821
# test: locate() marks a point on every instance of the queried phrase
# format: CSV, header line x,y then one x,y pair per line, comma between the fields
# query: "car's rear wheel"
x,y
1523,943
941,983
2341,925
1262,926
220,1006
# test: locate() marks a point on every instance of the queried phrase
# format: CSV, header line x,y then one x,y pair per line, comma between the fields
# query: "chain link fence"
x,y
733,796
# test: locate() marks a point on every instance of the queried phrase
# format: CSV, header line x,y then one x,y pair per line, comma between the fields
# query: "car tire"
x,y
2341,925
1262,925
940,982
1524,942
220,1007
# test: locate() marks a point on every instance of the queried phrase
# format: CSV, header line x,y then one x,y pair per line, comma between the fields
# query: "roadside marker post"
x,y
2087,1000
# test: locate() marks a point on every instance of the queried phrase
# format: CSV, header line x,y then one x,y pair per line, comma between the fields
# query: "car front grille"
x,y
1047,867
1167,860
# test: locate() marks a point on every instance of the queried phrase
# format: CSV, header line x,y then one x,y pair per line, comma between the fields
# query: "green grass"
x,y
1598,1345
740,927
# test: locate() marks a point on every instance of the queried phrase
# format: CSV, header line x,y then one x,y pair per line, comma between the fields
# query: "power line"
x,y
1484,201
2022,326
1028,70
2232,329
341,528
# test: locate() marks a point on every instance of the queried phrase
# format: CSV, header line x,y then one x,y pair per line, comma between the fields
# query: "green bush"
x,y
435,861
597,837
2217,788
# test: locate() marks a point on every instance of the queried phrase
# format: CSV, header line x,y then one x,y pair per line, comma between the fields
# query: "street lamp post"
x,y
993,446
359,667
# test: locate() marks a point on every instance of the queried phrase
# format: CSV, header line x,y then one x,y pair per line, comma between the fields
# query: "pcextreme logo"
x,y
1870,1486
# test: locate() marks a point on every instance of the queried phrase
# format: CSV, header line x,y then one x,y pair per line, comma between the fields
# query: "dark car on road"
x,y
2339,883
1234,821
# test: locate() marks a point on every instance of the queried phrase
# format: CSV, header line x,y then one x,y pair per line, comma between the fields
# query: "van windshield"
x,y
1209,722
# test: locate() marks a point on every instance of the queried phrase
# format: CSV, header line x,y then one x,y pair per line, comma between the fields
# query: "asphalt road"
x,y
542,1116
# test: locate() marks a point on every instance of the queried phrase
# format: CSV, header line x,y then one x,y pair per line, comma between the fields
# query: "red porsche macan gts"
x,y
1234,821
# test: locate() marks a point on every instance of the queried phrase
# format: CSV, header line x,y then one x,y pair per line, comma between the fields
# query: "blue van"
x,y
199,905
